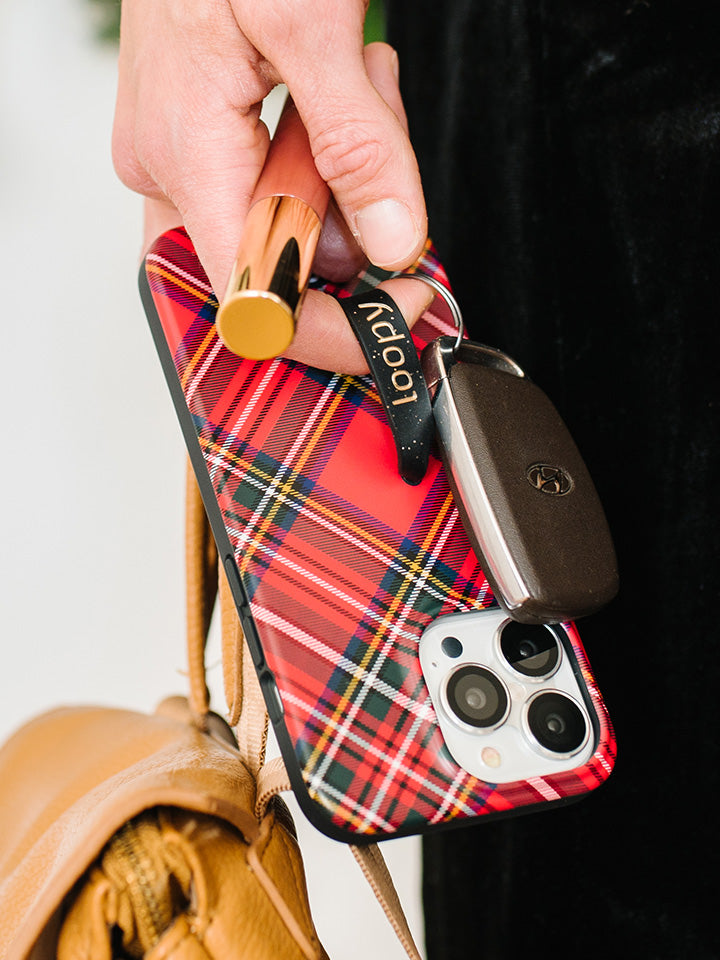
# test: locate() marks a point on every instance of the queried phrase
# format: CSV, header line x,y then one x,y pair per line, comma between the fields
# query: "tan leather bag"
x,y
160,836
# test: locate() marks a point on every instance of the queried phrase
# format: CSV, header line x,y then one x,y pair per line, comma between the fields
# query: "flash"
x,y
490,757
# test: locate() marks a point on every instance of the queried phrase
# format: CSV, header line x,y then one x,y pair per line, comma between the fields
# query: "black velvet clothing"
x,y
571,163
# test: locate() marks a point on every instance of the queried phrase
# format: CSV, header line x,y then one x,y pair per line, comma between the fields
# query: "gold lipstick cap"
x,y
258,314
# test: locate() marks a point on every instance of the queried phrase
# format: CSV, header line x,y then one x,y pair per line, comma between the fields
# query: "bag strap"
x,y
246,707
372,863
201,585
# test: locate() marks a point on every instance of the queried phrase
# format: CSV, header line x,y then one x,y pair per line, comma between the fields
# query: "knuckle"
x,y
127,167
350,158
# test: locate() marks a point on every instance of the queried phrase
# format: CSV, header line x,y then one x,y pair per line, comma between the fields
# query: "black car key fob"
x,y
521,487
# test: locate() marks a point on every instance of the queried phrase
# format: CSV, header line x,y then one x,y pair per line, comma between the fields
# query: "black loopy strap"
x,y
395,367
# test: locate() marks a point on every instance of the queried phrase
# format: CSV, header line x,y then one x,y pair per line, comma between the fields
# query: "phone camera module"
x,y
557,723
531,649
477,697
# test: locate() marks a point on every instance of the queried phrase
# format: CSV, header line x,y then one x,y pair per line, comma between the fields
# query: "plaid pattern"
x,y
344,566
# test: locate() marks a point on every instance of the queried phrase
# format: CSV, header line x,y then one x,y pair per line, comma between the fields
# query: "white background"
x,y
91,497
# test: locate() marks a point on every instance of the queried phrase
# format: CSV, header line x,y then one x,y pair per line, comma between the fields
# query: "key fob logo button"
x,y
549,479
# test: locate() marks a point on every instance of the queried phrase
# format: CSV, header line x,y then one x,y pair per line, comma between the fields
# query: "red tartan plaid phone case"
x,y
337,567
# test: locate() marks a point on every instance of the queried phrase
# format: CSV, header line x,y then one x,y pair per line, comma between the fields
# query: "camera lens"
x,y
557,723
451,647
531,649
476,696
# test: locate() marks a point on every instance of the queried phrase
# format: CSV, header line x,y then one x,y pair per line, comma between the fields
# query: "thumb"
x,y
356,125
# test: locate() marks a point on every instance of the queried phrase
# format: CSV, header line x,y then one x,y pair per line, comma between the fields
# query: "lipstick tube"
x,y
257,316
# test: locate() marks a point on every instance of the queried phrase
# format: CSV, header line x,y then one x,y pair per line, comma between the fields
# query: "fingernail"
x,y
388,233
395,66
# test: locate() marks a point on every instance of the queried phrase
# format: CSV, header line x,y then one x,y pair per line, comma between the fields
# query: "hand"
x,y
188,135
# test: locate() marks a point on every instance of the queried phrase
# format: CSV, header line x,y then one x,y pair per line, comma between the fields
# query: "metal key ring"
x,y
447,297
